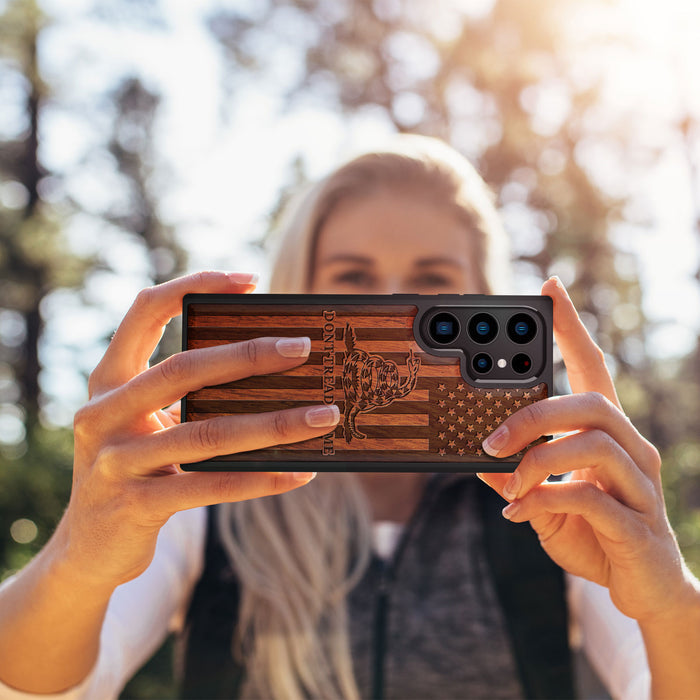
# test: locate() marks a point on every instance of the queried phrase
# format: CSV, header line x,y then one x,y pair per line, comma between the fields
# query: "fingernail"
x,y
511,510
303,476
480,476
322,416
496,441
243,277
559,284
512,488
293,347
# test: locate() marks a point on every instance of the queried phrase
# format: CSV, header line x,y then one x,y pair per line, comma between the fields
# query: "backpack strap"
x,y
531,590
204,663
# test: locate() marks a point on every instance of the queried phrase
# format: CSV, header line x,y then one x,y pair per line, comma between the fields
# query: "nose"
x,y
391,285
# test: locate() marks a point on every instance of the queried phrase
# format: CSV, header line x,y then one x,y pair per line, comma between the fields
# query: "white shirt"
x,y
142,612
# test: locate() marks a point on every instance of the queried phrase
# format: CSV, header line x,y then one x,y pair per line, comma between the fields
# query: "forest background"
x,y
140,140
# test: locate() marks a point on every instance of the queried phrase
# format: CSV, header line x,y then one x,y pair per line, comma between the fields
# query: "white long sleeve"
x,y
141,612
612,641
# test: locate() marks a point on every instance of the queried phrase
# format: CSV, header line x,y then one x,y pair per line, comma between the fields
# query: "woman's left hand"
x,y
608,523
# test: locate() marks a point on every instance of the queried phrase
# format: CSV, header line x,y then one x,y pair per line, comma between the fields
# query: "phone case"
x,y
406,402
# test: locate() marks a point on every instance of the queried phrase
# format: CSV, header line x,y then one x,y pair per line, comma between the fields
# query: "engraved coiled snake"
x,y
370,381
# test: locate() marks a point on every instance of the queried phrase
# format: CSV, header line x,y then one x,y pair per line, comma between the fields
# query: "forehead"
x,y
405,226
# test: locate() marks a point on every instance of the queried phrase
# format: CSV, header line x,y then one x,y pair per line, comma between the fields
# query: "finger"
x,y
142,327
187,371
592,450
176,492
584,360
173,413
496,480
563,414
607,516
204,439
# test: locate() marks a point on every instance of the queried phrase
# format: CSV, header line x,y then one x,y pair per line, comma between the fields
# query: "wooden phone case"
x,y
405,406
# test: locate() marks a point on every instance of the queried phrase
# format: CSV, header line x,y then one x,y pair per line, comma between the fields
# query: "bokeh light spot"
x,y
24,531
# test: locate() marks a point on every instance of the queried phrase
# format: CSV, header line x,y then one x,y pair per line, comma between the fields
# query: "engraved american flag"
x,y
397,402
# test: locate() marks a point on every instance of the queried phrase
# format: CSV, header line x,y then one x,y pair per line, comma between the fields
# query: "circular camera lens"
x,y
482,328
522,328
522,363
444,328
482,363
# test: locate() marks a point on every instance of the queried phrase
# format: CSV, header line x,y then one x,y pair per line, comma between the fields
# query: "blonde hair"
x,y
298,554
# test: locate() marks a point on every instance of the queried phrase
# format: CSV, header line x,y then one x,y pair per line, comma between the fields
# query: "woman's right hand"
x,y
126,477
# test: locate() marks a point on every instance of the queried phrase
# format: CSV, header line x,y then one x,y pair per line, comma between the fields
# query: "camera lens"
x,y
482,363
482,328
444,328
522,363
522,328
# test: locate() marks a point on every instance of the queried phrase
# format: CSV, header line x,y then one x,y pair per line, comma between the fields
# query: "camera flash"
x,y
501,363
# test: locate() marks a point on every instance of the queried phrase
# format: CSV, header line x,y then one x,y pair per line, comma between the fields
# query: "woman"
x,y
416,220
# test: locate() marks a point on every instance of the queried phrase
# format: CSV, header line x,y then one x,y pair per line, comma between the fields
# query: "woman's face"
x,y
393,243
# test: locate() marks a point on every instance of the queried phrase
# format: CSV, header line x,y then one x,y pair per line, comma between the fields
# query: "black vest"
x,y
530,589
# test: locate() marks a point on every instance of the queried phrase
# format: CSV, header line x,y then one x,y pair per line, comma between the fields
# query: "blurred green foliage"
x,y
34,486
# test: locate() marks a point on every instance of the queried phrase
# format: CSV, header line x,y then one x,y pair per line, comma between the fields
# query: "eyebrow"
x,y
438,260
348,258
363,260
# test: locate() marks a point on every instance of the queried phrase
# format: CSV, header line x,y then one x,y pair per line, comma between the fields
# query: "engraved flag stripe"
x,y
395,346
405,335
282,321
236,394
389,444
365,420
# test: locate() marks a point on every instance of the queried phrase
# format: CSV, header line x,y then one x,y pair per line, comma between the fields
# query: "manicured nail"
x,y
243,277
322,416
303,476
512,488
480,476
511,510
293,347
557,281
496,441
559,284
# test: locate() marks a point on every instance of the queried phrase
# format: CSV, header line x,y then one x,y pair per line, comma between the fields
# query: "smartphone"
x,y
420,380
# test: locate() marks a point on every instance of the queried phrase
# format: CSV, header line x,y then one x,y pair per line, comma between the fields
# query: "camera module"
x,y
522,328
444,328
521,363
483,328
482,363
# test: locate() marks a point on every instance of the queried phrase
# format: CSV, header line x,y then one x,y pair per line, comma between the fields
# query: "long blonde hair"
x,y
298,554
